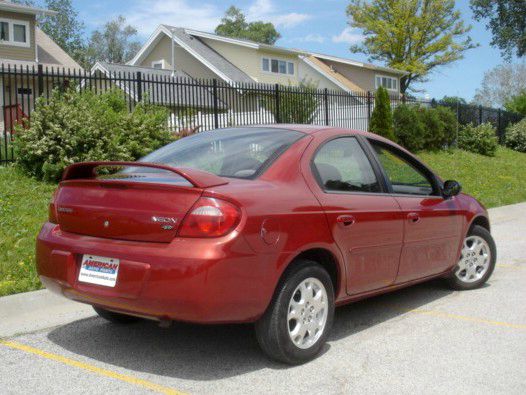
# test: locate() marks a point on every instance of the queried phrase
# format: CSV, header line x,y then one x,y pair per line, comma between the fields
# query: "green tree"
x,y
517,103
234,24
412,35
382,117
507,22
500,84
115,43
452,100
64,28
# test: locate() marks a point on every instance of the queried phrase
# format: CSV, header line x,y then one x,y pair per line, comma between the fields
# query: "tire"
x,y
116,318
472,271
272,330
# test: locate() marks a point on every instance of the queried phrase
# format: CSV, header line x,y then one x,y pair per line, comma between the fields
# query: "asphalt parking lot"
x,y
421,339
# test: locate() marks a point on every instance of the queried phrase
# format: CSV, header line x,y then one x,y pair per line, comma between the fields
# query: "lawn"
x,y
496,181
23,204
23,209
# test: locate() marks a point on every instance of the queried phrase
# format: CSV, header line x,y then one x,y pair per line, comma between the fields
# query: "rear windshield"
x,y
238,153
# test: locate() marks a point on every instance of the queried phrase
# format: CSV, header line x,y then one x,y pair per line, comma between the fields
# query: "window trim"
x,y
162,62
270,59
11,30
372,161
387,76
415,163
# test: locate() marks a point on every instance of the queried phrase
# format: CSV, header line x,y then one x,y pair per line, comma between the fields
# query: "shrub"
x,y
449,123
479,139
296,104
516,136
78,126
408,127
382,117
433,129
517,103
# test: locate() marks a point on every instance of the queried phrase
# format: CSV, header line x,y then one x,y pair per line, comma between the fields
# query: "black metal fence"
x,y
204,104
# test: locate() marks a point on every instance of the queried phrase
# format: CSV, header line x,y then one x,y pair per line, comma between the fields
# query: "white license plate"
x,y
99,270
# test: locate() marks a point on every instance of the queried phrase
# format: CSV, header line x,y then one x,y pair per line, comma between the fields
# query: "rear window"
x,y
238,153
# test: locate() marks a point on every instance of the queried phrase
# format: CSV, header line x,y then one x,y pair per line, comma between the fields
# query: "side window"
x,y
403,176
341,165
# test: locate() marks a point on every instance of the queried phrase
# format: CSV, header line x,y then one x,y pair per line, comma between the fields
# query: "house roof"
x,y
171,94
275,48
196,47
338,79
24,9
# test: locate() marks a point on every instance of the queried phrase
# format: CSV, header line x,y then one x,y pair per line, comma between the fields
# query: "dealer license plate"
x,y
99,270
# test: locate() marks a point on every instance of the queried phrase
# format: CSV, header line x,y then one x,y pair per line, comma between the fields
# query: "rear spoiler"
x,y
198,178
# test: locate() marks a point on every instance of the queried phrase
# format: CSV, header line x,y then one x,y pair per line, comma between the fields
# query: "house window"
x,y
4,31
14,32
158,64
277,66
388,83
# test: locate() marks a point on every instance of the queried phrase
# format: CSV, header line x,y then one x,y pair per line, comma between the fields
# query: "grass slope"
x,y
23,209
496,181
23,204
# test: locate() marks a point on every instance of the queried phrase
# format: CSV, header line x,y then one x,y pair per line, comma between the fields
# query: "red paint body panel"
x,y
232,278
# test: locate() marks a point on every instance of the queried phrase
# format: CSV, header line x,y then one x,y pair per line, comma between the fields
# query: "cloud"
x,y
146,15
309,38
265,10
348,36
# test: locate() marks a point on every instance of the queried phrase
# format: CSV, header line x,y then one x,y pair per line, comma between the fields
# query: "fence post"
x,y
277,115
369,105
40,79
480,115
326,101
500,131
216,113
139,86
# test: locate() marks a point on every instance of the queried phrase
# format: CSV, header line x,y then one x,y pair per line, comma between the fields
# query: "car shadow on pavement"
x,y
211,352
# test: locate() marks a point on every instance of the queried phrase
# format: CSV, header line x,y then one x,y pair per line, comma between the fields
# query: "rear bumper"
x,y
205,281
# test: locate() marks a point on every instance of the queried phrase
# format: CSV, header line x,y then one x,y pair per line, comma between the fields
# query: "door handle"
x,y
413,217
346,220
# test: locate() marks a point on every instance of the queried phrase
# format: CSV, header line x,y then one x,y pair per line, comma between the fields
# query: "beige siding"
x,y
363,77
183,60
16,52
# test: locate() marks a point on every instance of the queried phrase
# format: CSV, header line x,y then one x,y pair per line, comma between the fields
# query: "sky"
x,y
315,25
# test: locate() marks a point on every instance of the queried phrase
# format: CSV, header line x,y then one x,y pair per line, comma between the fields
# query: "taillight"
x,y
210,217
52,210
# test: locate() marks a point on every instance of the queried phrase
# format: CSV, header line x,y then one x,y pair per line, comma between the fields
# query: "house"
x,y
237,61
23,47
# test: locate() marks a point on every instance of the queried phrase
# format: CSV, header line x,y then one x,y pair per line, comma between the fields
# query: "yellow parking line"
x,y
467,318
91,368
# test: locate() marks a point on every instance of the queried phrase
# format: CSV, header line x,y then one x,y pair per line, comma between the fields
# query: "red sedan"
x,y
274,225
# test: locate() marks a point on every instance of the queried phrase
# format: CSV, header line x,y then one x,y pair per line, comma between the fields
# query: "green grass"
x,y
23,204
495,181
23,209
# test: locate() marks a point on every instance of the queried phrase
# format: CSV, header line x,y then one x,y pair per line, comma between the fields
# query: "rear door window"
x,y
341,165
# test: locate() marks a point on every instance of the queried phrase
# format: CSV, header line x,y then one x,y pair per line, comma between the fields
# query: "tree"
x,y
507,22
64,28
517,103
452,100
114,43
234,24
382,117
411,35
500,84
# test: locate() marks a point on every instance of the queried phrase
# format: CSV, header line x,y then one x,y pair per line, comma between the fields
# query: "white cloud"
x,y
309,38
148,14
348,36
265,10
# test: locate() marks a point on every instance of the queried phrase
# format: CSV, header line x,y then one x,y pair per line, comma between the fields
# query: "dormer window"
x,y
14,32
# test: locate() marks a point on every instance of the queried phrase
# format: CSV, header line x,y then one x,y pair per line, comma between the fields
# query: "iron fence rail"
x,y
206,104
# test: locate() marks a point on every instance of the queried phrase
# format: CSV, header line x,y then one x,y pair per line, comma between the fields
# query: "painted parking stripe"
x,y
91,368
443,314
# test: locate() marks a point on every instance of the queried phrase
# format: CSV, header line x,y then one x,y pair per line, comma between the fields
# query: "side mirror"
x,y
451,188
